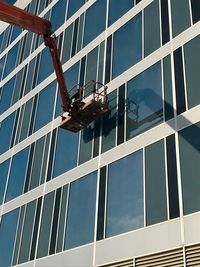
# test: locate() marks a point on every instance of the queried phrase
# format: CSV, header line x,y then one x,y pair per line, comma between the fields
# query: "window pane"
x,y
67,43
6,127
74,6
86,144
167,82
61,226
6,95
37,163
156,198
58,8
45,106
46,65
81,211
144,101
45,227
26,237
192,65
8,228
190,168
109,123
127,49
151,28
3,178
172,177
118,8
179,81
66,152
94,26
17,175
180,23
125,204
91,69
195,10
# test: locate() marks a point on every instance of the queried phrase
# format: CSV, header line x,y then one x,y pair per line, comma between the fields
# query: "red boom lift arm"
x,y
80,117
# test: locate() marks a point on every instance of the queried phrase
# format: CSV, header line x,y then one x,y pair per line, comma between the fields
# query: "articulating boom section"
x,y
78,111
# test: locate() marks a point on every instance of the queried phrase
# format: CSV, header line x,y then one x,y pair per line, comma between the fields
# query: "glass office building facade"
x,y
124,191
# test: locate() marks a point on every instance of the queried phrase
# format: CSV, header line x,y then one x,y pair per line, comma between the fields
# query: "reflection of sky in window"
x,y
144,103
125,207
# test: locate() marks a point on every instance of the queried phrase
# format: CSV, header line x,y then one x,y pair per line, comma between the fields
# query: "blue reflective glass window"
x,y
2,61
118,8
8,228
59,8
125,200
6,96
66,151
144,101
3,178
46,65
17,175
127,46
95,21
45,106
15,33
10,60
81,211
71,76
74,6
6,132
189,144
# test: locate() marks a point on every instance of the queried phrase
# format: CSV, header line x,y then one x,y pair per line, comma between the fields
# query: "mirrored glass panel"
x,y
81,211
125,200
144,101
127,46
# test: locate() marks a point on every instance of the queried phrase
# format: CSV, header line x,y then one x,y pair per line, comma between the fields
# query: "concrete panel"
x,y
80,257
151,239
192,229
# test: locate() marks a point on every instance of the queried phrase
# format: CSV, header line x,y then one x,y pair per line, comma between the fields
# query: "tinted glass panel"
x,y
156,198
86,143
195,10
74,6
165,21
180,23
129,52
151,28
66,152
118,8
17,175
168,97
3,178
46,65
27,232
144,101
81,211
45,106
94,26
192,65
190,157
172,177
109,123
125,207
179,81
6,95
59,8
45,227
6,127
7,237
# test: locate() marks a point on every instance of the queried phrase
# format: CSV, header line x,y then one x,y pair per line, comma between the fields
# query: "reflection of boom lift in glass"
x,y
81,108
